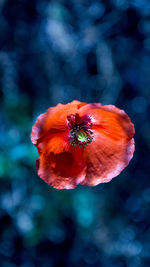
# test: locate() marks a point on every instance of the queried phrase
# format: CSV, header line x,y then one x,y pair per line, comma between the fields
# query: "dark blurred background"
x,y
58,51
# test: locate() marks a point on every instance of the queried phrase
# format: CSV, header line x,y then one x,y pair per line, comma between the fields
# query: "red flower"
x,y
80,143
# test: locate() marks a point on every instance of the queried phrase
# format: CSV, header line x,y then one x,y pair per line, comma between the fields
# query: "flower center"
x,y
80,130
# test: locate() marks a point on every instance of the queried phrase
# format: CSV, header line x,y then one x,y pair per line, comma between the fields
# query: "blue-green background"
x,y
58,51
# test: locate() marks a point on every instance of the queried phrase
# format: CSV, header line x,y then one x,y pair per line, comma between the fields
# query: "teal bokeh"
x,y
58,51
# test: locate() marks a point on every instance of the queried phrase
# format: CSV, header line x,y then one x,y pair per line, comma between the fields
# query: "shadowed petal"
x,y
60,165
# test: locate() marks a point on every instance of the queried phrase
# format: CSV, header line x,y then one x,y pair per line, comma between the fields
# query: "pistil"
x,y
81,136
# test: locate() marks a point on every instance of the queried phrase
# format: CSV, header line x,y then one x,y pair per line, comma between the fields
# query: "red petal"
x,y
61,165
53,121
112,147
106,159
110,121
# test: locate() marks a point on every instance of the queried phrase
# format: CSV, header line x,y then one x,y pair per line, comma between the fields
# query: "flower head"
x,y
80,143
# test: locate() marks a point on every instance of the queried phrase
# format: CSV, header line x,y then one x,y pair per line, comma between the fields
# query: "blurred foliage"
x,y
57,51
